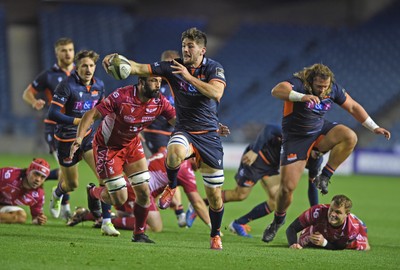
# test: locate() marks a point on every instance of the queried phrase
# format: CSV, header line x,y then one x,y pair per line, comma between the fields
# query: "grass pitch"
x,y
56,246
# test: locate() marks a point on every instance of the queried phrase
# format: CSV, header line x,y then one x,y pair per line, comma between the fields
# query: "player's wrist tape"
x,y
370,124
295,96
325,243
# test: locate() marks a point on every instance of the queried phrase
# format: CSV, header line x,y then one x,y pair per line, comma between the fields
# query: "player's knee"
x,y
214,179
178,150
115,184
19,216
139,178
351,138
242,196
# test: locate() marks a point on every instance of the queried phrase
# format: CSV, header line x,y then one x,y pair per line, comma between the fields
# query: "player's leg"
x,y
107,228
213,180
176,205
340,141
12,214
178,150
139,176
290,176
199,208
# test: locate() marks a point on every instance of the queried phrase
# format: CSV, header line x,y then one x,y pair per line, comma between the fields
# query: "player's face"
x,y
320,86
151,87
336,215
65,54
192,53
35,179
85,69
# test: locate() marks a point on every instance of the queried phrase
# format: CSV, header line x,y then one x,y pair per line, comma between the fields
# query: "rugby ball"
x,y
119,67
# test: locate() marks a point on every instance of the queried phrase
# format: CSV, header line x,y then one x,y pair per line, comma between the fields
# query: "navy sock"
x,y
59,191
65,199
53,175
106,210
172,176
259,211
216,220
327,171
279,218
179,210
312,193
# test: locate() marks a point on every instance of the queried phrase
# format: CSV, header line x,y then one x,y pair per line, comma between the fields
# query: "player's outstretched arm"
x,y
136,68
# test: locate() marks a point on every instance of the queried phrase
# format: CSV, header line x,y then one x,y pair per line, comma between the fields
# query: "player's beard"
x,y
149,93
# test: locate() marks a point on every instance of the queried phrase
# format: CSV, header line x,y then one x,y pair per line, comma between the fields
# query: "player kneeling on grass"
x,y
329,226
23,187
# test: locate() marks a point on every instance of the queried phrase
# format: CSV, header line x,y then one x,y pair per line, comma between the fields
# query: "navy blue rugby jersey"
x,y
194,111
76,99
46,82
304,118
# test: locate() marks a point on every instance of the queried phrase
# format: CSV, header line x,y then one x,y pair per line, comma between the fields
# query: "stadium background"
x,y
259,42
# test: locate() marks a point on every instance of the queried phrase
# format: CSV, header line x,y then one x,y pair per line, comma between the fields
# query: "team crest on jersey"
x,y
220,73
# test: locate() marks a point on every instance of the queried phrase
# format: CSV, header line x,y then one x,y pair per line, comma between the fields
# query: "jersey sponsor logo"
x,y
291,157
325,105
129,118
220,73
88,105
148,119
150,110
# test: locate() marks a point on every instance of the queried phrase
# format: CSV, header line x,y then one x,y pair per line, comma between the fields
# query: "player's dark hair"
x,y
85,53
194,34
169,54
63,41
308,74
343,200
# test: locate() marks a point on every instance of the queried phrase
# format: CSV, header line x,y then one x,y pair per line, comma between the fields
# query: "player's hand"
x,y
317,239
180,69
41,219
382,131
310,98
296,246
75,146
249,157
106,61
38,104
223,130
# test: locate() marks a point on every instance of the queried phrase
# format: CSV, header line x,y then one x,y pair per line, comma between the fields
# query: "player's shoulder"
x,y
10,172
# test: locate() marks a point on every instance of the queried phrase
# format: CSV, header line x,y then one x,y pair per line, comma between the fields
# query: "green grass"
x,y
56,246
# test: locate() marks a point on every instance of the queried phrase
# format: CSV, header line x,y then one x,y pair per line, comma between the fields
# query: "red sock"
x,y
96,192
140,213
124,223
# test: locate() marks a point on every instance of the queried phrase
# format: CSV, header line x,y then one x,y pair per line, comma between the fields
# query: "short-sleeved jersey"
x,y
159,178
76,98
304,118
12,191
125,115
194,111
46,82
351,234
